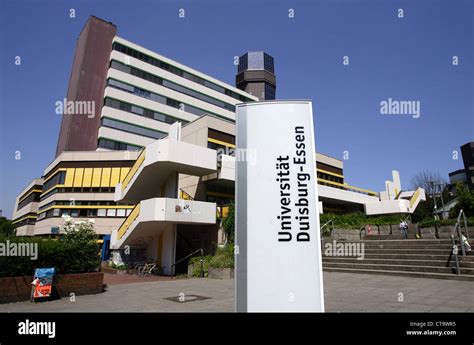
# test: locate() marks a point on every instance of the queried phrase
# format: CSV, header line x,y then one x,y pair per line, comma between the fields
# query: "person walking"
x,y
404,229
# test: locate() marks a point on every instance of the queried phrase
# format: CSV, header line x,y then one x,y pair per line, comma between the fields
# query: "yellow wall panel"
x,y
105,182
87,177
115,178
96,176
78,177
69,177
123,173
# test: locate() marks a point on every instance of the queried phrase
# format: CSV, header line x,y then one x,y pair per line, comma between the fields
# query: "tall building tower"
x,y
256,75
87,80
136,94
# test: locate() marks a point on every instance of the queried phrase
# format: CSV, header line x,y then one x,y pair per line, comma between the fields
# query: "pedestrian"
x,y
465,243
403,229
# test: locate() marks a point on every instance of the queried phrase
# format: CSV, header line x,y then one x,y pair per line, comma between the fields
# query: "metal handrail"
x,y
191,254
454,252
362,228
330,221
457,231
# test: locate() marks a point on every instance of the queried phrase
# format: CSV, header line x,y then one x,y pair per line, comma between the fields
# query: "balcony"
x,y
157,162
150,217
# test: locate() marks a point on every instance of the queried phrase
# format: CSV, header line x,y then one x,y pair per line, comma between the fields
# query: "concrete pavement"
x,y
344,292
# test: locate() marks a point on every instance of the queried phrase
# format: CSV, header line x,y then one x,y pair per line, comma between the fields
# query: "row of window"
x,y
58,178
116,145
157,98
113,103
77,203
78,190
26,221
177,71
126,127
84,212
170,85
33,197
328,177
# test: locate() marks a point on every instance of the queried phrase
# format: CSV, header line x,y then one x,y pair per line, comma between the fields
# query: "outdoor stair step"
x,y
408,241
450,276
402,246
415,256
438,263
405,251
393,267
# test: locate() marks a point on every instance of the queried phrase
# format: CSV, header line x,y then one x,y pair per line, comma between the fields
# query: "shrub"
x,y
195,261
228,224
428,223
224,257
356,220
76,251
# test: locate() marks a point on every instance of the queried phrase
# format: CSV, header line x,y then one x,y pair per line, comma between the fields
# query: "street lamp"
x,y
433,195
441,188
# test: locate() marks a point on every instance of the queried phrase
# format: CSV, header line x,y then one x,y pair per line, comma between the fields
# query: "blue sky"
x,y
402,59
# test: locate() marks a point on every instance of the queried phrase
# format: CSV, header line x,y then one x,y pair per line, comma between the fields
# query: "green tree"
x,y
465,201
228,224
6,227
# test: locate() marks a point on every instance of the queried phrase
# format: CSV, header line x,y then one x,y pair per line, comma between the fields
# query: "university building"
x,y
154,164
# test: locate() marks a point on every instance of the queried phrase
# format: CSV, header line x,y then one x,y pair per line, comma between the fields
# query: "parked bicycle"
x,y
148,268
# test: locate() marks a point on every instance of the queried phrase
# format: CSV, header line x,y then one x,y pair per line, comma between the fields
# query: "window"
x,y
116,145
126,127
101,212
177,71
141,111
58,178
121,212
111,212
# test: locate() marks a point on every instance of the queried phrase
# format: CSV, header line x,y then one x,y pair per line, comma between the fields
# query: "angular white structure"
x,y
152,185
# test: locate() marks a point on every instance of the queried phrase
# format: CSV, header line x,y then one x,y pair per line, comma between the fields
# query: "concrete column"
x,y
168,254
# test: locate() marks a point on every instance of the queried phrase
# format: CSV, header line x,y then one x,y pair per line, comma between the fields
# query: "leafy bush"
x,y
465,201
76,251
356,220
228,224
195,261
428,223
224,257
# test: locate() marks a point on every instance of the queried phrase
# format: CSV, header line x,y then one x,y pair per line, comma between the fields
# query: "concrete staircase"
x,y
390,255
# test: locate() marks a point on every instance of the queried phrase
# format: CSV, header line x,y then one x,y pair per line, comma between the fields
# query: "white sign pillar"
x,y
278,246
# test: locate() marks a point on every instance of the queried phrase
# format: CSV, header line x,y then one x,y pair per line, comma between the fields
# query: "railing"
x,y
133,170
201,251
185,196
128,221
349,188
454,253
414,197
457,231
322,229
363,228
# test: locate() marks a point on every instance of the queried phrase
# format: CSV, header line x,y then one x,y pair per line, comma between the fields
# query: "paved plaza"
x,y
344,292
